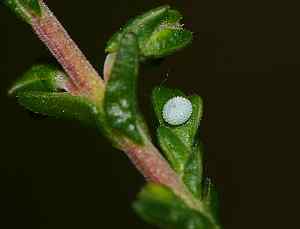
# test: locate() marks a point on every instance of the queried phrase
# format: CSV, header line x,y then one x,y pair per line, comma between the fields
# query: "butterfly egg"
x,y
177,110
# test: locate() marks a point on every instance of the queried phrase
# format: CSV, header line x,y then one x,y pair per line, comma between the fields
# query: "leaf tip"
x,y
26,9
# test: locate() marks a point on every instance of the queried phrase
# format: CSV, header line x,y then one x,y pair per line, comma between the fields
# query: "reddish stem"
x,y
86,81
84,77
149,161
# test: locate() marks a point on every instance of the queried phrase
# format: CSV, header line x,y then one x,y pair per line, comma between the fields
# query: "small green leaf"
x,y
142,26
158,33
193,171
40,78
186,132
160,206
25,9
173,16
175,151
41,90
120,102
167,39
59,105
211,199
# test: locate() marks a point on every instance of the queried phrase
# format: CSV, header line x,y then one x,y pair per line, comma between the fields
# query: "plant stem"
x,y
86,81
149,161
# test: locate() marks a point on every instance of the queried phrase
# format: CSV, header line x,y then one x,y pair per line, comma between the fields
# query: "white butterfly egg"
x,y
177,110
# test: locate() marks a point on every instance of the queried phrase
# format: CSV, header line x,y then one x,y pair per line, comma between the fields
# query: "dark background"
x,y
244,62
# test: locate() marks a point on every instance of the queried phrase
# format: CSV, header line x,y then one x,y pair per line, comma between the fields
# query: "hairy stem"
x,y
84,77
155,168
85,81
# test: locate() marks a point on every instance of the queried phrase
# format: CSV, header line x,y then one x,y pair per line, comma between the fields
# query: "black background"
x,y
244,62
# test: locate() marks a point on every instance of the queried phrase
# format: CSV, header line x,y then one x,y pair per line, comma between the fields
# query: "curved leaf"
x,y
167,39
158,33
59,105
160,206
175,151
142,26
40,90
24,8
193,171
211,199
40,78
120,103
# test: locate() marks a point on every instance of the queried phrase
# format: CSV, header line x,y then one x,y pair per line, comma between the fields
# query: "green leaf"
x,y
160,206
142,26
167,39
41,90
158,33
173,16
25,9
59,105
186,132
193,171
120,103
175,151
40,78
211,199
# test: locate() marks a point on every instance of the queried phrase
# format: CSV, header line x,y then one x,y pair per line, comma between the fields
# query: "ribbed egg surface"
x,y
177,110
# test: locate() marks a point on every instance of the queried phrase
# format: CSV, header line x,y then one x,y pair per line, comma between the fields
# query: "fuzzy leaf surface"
x,y
193,171
59,105
167,39
41,90
211,199
161,207
40,78
175,151
158,32
120,101
24,8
